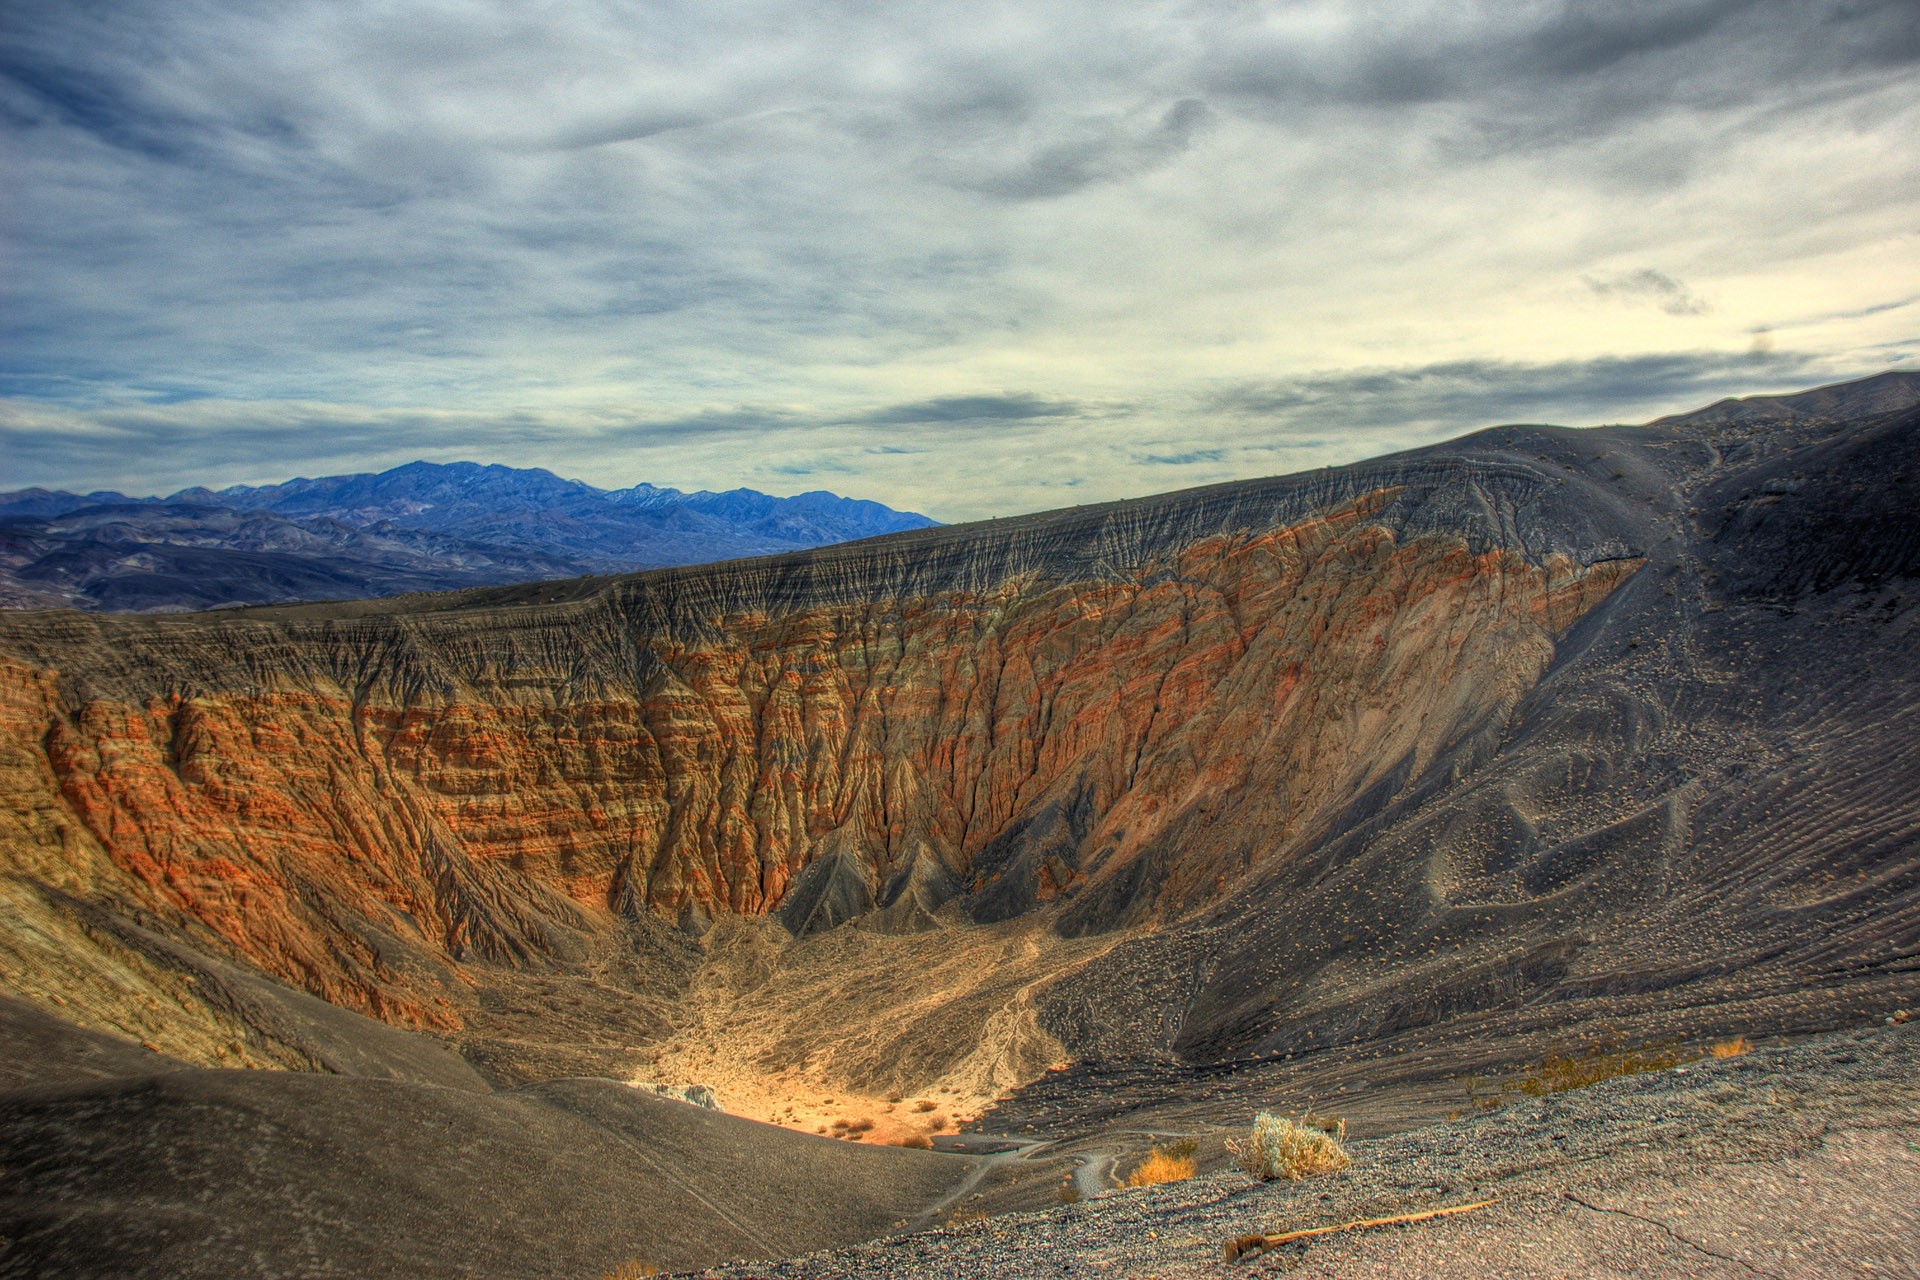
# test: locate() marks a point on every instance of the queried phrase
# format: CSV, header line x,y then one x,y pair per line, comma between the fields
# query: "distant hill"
x,y
421,527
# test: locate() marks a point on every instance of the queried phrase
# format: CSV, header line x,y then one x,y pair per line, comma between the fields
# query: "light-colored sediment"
x,y
901,1035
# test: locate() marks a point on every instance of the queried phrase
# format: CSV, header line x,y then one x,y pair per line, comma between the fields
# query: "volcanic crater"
x,y
334,930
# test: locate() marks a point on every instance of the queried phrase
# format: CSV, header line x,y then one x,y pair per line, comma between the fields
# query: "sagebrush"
x,y
1561,1072
1281,1147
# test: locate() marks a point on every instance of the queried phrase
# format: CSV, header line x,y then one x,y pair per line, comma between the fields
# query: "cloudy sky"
x,y
966,259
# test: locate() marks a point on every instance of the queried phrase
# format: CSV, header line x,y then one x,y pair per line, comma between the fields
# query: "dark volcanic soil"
x,y
218,1174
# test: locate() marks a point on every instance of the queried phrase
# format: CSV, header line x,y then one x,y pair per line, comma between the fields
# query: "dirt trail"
x,y
993,1163
1094,1174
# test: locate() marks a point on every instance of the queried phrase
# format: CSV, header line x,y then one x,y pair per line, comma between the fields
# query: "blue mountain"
x,y
422,526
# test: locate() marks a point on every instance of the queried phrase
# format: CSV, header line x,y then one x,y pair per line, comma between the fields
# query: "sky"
x,y
968,260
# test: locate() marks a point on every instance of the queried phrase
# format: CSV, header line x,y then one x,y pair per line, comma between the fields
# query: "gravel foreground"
x,y
1790,1162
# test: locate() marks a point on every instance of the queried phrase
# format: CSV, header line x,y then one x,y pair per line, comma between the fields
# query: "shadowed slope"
x,y
1700,822
193,1173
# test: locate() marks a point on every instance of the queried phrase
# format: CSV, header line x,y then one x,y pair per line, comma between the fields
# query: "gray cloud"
x,y
1849,313
1003,408
1109,149
1600,57
1592,38
1648,285
1183,459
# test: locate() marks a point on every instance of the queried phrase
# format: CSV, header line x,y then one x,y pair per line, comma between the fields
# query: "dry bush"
x,y
632,1270
1069,1192
1165,1164
862,1125
1561,1072
918,1141
1280,1147
1558,1074
925,1104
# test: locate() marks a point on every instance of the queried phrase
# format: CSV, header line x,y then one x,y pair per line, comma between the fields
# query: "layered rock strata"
x,y
1114,712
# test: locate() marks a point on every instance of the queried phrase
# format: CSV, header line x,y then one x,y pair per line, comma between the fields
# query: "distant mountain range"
x,y
421,527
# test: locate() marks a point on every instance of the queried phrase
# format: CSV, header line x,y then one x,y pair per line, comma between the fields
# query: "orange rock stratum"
x,y
360,804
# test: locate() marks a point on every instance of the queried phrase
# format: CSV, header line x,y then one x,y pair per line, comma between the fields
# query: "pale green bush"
x,y
1282,1148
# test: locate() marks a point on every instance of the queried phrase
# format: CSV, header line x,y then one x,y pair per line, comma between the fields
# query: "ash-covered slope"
x,y
1705,817
122,1163
1487,730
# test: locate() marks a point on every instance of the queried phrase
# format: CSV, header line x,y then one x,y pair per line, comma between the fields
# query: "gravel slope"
x,y
1790,1162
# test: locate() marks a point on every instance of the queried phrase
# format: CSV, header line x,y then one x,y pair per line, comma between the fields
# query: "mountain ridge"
x,y
418,527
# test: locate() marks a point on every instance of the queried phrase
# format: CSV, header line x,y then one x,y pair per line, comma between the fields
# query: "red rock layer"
x,y
345,806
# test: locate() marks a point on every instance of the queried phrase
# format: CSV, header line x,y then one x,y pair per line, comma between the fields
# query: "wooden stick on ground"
x,y
1241,1247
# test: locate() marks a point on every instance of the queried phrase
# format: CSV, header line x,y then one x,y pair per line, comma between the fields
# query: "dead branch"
x,y
1245,1245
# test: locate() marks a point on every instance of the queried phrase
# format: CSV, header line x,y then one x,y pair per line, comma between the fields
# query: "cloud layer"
x,y
969,261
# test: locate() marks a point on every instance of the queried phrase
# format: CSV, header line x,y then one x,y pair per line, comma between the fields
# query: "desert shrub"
x,y
1069,1192
918,1141
1280,1147
631,1270
925,1104
1173,1163
1561,1072
1557,1074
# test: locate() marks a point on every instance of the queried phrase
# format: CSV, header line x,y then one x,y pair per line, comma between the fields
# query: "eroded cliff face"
x,y
360,805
